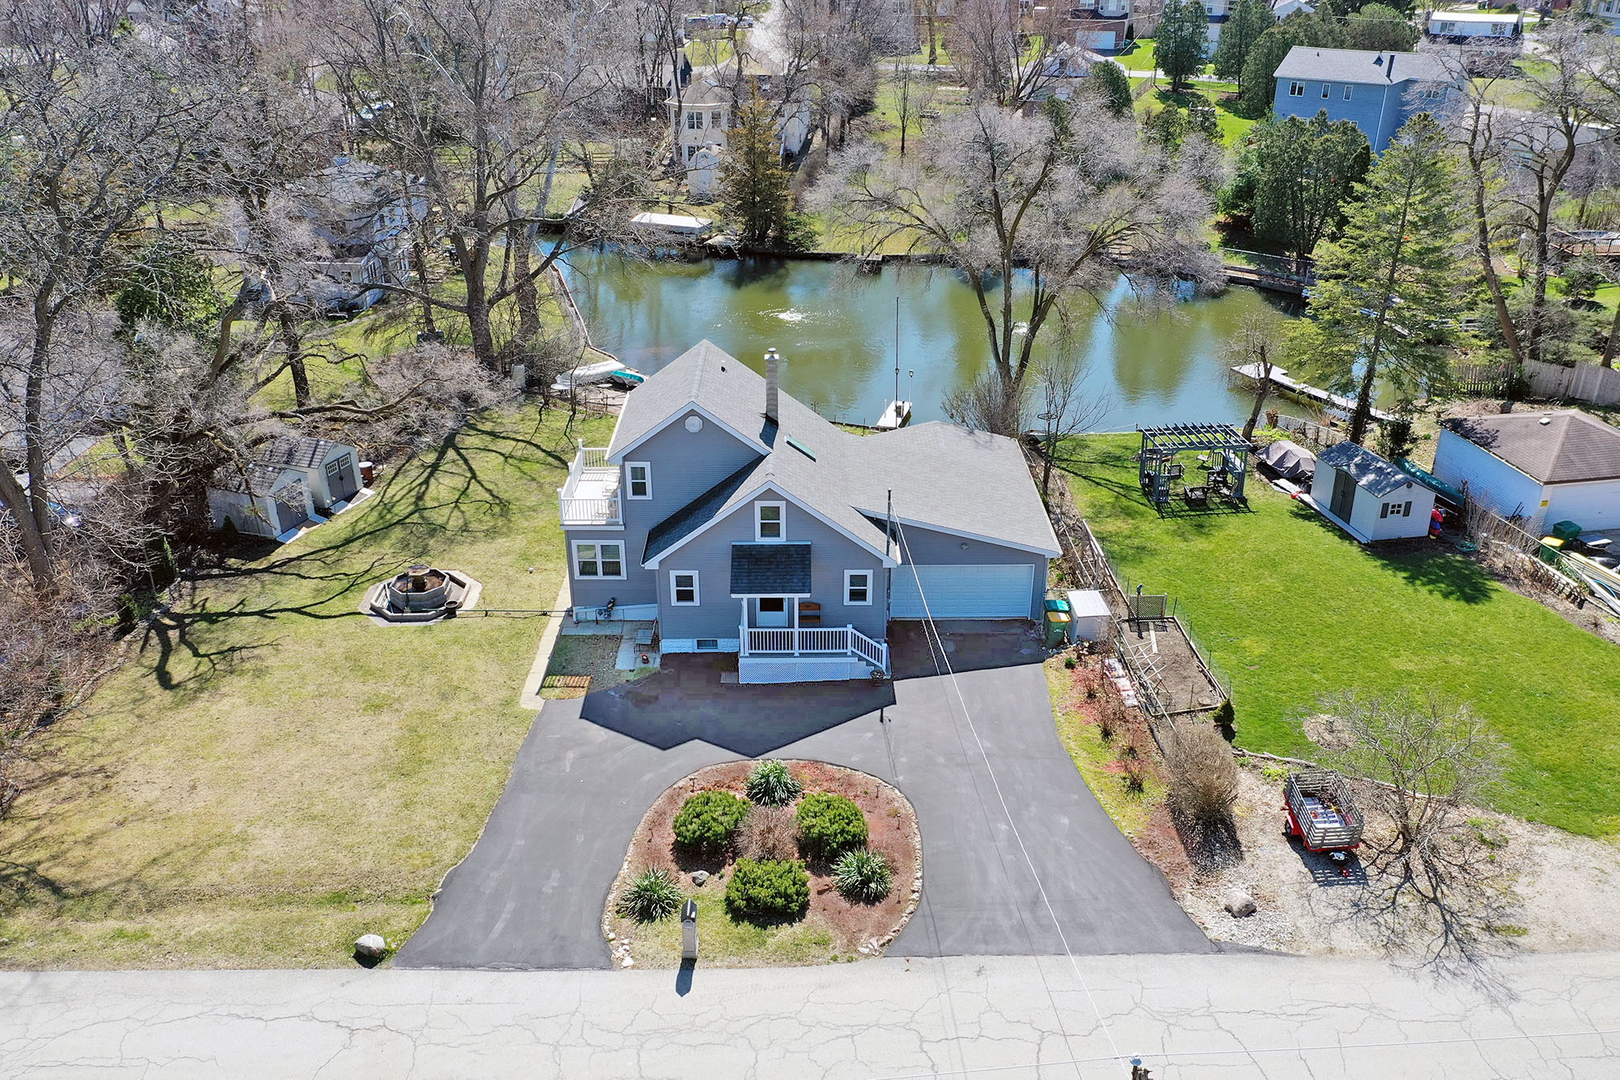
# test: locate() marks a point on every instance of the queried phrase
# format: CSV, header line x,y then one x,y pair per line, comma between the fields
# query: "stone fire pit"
x,y
420,594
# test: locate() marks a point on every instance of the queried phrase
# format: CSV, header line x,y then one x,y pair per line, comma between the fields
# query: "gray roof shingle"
x,y
297,451
942,476
770,569
1360,66
1365,467
1570,447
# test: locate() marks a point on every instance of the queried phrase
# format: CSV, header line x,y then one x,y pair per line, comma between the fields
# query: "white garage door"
x,y
1591,506
963,592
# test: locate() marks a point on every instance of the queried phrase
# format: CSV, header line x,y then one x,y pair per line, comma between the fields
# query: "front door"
x,y
1344,496
773,611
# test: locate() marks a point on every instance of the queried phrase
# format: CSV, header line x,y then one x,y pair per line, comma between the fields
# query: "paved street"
x,y
531,893
1190,1017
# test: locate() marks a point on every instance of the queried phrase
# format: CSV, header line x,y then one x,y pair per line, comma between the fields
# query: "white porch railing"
x,y
591,495
816,640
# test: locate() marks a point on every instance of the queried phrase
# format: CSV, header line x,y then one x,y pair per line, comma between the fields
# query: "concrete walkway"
x,y
1006,1018
531,893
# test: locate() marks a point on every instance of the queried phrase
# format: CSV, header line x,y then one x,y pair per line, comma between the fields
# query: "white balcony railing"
x,y
812,641
591,495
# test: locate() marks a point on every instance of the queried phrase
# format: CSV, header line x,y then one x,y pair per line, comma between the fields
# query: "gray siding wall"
x,y
930,548
718,614
1366,108
684,465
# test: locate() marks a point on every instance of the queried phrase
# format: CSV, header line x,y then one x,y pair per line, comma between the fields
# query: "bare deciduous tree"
x,y
1434,887
1040,213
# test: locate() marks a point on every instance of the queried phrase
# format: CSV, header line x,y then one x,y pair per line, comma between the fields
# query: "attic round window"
x,y
694,423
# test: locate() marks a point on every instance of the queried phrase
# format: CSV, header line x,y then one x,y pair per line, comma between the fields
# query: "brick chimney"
x,y
773,365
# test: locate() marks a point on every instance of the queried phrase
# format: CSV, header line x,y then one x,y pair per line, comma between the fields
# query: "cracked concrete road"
x,y
1188,1017
530,895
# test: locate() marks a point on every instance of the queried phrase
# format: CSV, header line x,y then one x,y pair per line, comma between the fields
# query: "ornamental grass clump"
x,y
651,896
769,833
707,822
768,889
830,825
770,783
863,876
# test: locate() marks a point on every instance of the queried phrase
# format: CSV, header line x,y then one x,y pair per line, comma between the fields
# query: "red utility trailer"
x,y
1322,813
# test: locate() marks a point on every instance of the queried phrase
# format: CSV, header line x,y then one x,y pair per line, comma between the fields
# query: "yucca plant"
x,y
652,896
770,783
863,875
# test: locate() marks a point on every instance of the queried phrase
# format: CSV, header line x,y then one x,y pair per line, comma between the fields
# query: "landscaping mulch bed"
x,y
833,929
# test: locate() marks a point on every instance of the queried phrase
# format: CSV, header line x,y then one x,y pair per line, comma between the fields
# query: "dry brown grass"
x,y
770,832
272,774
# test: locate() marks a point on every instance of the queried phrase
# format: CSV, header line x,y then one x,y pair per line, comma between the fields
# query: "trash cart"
x,y
1057,629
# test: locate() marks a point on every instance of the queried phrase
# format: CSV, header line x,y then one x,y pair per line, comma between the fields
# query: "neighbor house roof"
x,y
1361,66
1560,447
1366,468
968,483
297,451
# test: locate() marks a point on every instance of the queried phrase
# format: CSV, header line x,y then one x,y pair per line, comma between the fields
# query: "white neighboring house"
x,y
703,172
1606,10
1543,466
1284,8
1368,497
702,116
1468,27
1217,12
292,480
362,214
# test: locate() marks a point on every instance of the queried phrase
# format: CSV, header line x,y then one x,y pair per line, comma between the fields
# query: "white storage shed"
x,y
1368,497
260,500
1088,615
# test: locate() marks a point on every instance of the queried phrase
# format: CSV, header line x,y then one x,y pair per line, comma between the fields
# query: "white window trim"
x,y
781,523
869,575
697,597
630,484
598,544
1347,88
1296,88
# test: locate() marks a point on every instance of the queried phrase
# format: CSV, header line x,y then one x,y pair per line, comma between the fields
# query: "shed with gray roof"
x,y
1369,497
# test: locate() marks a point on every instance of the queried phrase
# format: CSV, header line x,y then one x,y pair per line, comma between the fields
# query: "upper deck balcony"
x,y
591,496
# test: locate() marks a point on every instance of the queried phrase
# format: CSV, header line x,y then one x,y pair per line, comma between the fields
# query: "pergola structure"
x,y
1223,455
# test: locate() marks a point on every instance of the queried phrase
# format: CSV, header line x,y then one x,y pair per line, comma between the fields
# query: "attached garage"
x,y
963,591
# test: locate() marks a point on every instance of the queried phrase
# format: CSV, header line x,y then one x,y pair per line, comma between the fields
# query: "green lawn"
x,y
1140,57
271,774
1292,609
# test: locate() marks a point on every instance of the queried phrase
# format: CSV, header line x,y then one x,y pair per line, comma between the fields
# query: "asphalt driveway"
x,y
530,894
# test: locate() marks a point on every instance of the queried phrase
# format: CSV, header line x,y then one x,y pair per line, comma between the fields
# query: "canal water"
x,y
1154,364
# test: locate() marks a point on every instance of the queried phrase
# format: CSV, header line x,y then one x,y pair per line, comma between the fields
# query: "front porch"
x,y
796,653
591,495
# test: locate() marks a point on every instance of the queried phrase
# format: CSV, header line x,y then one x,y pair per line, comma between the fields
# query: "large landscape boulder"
x,y
1239,904
370,947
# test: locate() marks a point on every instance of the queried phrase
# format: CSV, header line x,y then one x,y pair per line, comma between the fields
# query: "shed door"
x,y
963,592
340,478
1344,496
289,515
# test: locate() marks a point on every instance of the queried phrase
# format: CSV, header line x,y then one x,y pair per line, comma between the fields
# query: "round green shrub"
x,y
863,875
830,825
651,896
767,890
770,783
708,820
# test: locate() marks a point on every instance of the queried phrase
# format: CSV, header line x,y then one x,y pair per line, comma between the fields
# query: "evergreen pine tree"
x,y
1305,172
1249,20
1179,46
754,186
1114,86
1388,288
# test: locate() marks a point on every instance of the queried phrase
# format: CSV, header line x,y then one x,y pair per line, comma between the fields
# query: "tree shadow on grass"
x,y
1424,563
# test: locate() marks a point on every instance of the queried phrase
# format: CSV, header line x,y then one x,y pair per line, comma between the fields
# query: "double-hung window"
x,y
857,587
1327,88
594,559
639,474
714,119
1347,91
768,524
1296,89
694,121
683,588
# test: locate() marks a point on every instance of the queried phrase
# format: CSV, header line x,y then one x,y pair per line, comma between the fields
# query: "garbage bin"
x,y
1566,530
1551,548
1057,604
1057,629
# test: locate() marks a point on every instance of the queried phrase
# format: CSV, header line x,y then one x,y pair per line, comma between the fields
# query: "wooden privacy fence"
x,y
1583,382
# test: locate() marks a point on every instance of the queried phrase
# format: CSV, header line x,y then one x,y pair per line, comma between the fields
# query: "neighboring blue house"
x,y
1377,91
745,523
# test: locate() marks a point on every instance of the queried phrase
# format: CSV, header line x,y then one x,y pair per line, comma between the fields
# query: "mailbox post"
x,y
689,937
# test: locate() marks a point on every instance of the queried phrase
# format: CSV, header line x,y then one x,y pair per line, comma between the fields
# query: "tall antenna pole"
x,y
888,593
897,358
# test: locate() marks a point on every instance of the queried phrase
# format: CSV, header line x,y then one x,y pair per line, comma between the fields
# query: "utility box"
x,y
689,940
1088,615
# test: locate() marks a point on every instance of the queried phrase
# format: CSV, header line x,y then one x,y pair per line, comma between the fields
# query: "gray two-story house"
x,y
745,523
1377,91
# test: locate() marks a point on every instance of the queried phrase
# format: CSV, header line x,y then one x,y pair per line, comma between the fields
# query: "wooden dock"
x,y
1315,395
897,415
